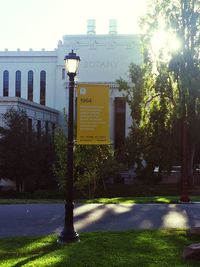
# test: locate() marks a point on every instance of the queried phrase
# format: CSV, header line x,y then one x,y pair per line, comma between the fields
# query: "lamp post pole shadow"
x,y
69,234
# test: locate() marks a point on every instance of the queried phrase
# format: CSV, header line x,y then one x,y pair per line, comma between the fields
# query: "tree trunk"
x,y
17,186
184,166
190,164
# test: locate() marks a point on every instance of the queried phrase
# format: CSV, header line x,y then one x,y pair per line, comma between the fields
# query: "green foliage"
x,y
93,165
23,157
182,19
164,92
101,249
134,93
151,104
14,146
60,164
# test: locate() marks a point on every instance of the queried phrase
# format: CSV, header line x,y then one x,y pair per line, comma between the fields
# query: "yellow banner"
x,y
93,114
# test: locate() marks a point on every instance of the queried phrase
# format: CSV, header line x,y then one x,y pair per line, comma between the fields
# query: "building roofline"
x,y
118,35
19,100
44,53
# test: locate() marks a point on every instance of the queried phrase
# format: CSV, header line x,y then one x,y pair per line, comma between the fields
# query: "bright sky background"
x,y
41,24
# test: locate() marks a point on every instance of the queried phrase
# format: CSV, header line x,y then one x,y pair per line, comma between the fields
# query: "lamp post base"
x,y
66,237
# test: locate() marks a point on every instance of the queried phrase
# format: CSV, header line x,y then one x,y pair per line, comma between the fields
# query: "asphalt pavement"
x,y
42,219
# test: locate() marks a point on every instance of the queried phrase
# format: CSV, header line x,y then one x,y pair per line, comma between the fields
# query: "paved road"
x,y
37,219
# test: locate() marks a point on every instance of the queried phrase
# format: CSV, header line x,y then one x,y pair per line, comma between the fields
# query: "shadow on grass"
x,y
101,249
160,248
132,248
31,259
30,248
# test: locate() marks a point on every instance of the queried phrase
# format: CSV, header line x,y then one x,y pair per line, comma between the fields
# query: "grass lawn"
x,y
155,248
116,200
141,200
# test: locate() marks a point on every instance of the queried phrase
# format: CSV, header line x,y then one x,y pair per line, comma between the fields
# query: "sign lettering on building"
x,y
101,64
93,114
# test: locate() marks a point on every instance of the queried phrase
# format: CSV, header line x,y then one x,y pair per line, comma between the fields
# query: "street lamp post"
x,y
69,234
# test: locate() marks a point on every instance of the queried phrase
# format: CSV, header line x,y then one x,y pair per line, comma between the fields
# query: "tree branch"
x,y
160,94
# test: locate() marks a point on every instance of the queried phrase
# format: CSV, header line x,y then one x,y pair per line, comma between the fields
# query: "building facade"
x,y
37,80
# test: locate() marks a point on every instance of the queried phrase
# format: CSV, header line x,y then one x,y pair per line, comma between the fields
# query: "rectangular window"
x,y
38,129
18,83
63,74
46,128
53,130
5,83
42,87
119,121
29,125
30,85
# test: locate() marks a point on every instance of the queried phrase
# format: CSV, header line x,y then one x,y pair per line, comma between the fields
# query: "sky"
x,y
38,24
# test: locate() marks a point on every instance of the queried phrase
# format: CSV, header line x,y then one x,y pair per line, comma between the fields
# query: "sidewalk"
x,y
42,219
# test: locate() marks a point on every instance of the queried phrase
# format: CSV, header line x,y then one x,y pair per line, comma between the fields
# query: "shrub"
x,y
93,164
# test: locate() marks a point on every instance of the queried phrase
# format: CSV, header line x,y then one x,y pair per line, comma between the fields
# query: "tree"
x,y
60,163
180,18
24,157
151,136
93,165
170,104
14,146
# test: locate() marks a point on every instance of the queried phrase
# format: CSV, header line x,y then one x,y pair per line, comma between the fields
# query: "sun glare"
x,y
164,44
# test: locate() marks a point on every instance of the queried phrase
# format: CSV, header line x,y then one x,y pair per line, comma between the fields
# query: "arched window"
x,y
18,83
5,83
42,87
30,85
